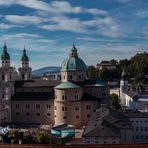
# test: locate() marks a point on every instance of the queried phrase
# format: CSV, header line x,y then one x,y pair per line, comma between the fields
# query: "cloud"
x,y
34,42
64,23
24,20
34,4
93,39
6,26
53,6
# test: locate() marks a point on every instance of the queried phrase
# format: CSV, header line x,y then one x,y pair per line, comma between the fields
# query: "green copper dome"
x,y
5,55
73,63
67,85
24,56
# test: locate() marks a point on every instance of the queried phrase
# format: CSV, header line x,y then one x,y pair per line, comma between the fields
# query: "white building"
x,y
134,99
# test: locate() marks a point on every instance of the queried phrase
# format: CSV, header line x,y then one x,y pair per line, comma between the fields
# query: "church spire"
x,y
5,46
24,56
73,52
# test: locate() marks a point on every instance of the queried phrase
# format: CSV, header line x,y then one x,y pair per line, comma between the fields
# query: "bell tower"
x,y
5,58
25,70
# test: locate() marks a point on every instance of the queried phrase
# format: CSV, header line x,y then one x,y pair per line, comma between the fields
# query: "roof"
x,y
102,131
107,123
96,83
89,97
24,56
67,85
73,63
37,83
63,127
134,114
5,55
33,96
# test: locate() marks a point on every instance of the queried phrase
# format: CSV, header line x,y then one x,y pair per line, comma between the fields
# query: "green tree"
x,y
104,74
42,137
115,102
114,62
91,72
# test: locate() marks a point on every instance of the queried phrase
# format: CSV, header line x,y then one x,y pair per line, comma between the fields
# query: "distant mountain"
x,y
46,70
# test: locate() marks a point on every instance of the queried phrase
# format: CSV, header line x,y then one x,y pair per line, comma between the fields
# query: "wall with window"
x,y
88,107
37,112
99,92
101,140
140,129
77,76
68,112
68,94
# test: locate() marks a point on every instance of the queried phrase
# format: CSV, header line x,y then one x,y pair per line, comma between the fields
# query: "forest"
x,y
136,69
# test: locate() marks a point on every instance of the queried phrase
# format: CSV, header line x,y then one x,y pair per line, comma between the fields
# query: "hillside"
x,y
45,70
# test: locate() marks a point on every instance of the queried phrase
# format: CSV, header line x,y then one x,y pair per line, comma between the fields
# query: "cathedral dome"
x,y
5,55
73,63
24,56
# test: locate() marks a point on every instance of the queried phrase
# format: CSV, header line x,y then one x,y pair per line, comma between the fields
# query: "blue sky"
x,y
100,29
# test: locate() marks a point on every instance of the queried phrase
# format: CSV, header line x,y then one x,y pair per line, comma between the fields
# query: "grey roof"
x,y
89,97
37,83
102,131
33,96
134,114
107,123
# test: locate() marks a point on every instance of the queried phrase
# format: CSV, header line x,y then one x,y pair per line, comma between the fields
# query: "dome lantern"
x,y
5,55
73,63
24,56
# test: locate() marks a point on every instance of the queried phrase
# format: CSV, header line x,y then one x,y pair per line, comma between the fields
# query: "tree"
x,y
104,74
91,71
42,137
114,62
15,135
115,102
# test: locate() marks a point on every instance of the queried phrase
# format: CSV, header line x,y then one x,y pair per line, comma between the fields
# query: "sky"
x,y
100,29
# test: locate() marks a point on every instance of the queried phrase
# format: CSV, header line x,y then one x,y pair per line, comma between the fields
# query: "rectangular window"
x,y
38,114
23,76
37,106
76,96
3,77
55,108
3,96
64,108
10,77
17,105
48,106
88,107
27,105
103,94
76,108
137,129
141,128
64,97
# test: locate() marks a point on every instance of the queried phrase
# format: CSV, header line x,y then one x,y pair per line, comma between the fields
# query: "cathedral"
x,y
28,101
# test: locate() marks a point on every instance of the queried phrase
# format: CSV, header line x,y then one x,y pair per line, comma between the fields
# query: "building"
x,y
107,126
135,98
105,65
70,100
